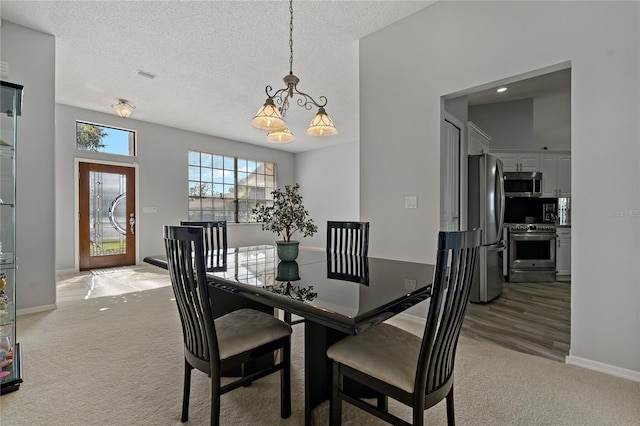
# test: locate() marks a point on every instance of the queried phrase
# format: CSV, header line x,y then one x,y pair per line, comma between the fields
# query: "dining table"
x,y
337,295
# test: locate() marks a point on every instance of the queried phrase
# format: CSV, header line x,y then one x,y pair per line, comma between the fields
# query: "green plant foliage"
x,y
287,215
200,191
89,137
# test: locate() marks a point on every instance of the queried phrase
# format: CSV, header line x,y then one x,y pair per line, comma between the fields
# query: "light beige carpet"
x,y
118,361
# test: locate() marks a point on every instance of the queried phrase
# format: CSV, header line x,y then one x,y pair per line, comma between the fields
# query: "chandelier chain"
x,y
271,117
291,37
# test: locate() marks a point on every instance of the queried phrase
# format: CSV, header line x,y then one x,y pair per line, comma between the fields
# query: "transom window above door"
x,y
110,140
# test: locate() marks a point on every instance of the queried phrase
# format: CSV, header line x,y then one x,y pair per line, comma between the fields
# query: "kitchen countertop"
x,y
506,224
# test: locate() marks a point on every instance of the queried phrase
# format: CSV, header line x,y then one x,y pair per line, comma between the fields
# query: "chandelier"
x,y
270,117
123,108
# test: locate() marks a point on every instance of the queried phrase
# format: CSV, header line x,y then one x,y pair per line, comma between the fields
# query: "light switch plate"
x,y
411,202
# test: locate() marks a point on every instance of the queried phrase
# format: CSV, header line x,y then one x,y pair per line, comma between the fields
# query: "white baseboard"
x,y
36,309
66,271
603,368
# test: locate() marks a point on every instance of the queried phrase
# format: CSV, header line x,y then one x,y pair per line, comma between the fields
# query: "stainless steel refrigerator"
x,y
486,210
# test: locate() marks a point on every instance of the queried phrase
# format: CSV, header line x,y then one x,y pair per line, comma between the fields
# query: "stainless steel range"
x,y
532,252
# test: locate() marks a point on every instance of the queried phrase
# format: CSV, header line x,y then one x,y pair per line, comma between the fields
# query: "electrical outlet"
x,y
411,202
410,284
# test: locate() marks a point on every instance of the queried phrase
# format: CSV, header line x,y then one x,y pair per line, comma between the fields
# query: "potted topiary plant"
x,y
286,216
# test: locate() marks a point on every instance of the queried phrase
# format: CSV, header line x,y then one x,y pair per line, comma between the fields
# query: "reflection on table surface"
x,y
347,289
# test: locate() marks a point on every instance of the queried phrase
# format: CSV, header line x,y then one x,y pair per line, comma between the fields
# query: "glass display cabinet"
x,y
11,109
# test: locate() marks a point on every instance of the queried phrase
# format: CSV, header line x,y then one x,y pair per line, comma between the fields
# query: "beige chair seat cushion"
x,y
245,329
385,352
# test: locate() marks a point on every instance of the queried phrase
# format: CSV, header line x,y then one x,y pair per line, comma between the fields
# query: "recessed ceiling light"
x,y
502,89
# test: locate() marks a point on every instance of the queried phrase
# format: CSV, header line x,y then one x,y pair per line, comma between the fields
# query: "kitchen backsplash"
x,y
564,211
537,210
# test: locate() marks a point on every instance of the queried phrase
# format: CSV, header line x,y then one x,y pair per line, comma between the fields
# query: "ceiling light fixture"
x,y
123,108
281,136
271,117
502,89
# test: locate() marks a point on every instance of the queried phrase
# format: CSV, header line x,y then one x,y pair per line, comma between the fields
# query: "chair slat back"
x,y
185,259
456,259
215,242
348,237
348,267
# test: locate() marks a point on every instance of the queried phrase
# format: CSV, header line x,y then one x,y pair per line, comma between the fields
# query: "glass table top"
x,y
347,291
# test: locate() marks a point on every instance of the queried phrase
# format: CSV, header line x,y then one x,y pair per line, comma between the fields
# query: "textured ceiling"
x,y
212,59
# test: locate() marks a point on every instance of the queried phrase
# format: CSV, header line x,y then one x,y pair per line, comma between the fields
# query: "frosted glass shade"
x,y
268,118
124,109
322,125
281,136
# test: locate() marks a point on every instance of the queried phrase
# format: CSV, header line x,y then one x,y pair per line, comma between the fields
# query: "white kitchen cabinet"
x,y
549,169
556,174
518,162
563,251
478,139
564,175
509,163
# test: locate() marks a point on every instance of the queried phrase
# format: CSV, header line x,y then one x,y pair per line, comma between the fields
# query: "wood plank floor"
x,y
533,318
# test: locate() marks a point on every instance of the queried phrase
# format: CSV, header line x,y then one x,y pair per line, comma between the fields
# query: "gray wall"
x,y
533,123
458,107
510,124
31,58
552,121
400,139
330,180
162,178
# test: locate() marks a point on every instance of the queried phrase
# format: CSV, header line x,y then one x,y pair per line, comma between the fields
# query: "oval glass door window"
x,y
115,213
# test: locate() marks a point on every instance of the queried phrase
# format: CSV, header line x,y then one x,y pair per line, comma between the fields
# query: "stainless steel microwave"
x,y
523,184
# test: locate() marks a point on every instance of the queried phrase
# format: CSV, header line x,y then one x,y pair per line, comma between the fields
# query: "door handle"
x,y
132,222
500,186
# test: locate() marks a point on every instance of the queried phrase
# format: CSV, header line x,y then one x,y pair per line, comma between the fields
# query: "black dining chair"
x,y
414,370
348,238
215,242
348,267
235,339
